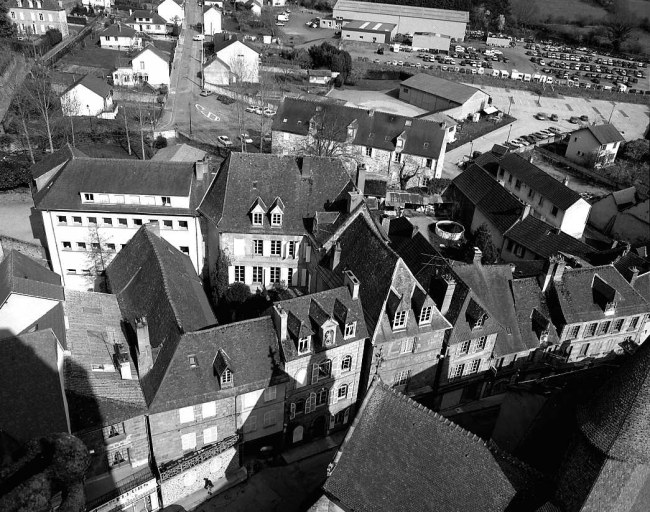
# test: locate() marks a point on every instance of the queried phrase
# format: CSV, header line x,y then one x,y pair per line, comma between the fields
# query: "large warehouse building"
x,y
408,19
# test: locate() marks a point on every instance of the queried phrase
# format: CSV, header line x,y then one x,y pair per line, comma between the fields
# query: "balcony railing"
x,y
173,468
121,487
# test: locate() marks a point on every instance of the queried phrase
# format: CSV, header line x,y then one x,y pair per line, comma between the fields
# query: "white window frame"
x,y
188,441
276,220
342,392
426,314
226,377
462,350
257,219
260,271
210,435
457,371
346,363
276,248
258,243
269,419
275,275
240,271
303,345
350,330
186,414
406,346
401,378
400,320
474,366
89,198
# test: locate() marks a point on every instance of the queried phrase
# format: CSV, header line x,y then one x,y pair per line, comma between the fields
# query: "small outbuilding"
x,y
368,32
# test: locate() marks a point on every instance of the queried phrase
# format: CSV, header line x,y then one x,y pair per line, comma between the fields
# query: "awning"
x,y
490,110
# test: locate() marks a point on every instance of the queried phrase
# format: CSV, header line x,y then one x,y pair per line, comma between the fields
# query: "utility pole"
x,y
509,130
612,112
190,106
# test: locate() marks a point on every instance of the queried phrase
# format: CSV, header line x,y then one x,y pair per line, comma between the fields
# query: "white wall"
x,y
20,311
81,101
153,66
212,22
169,10
575,218
242,60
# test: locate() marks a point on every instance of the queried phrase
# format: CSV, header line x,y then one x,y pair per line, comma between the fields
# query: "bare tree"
x,y
406,173
144,156
242,72
21,106
38,86
328,134
268,84
71,107
99,255
126,129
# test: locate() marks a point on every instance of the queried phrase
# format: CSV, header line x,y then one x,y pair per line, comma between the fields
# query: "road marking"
x,y
205,112
597,111
623,113
569,107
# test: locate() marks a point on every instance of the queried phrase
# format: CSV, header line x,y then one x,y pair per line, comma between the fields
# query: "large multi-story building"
x,y
91,207
259,208
38,16
322,337
389,145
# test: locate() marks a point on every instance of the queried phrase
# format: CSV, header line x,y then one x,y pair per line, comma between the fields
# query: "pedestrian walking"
x,y
208,485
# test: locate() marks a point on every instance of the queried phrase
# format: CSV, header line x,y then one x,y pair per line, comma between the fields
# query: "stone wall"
x,y
192,480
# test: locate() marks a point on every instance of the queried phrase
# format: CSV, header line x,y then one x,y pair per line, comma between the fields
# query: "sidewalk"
x,y
314,448
197,498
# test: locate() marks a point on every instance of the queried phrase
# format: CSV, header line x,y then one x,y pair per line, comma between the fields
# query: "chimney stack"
x,y
201,169
280,318
559,269
566,181
361,178
336,255
449,293
351,281
478,255
354,200
122,362
635,275
145,358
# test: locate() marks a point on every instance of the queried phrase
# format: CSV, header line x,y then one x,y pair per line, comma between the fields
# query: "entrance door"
x,y
297,434
318,427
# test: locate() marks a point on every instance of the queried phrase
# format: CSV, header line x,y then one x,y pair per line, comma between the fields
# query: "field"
x,y
574,10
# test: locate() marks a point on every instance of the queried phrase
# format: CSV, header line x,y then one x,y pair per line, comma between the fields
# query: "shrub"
x,y
161,142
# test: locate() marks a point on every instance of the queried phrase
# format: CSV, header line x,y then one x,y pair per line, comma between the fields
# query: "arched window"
x,y
342,393
346,364
322,396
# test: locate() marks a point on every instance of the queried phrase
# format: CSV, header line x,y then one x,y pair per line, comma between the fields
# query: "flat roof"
x,y
369,26
402,10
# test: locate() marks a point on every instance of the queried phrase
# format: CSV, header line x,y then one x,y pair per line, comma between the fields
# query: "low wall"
x,y
123,94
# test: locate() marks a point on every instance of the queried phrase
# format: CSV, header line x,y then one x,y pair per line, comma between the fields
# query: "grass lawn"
x,y
469,131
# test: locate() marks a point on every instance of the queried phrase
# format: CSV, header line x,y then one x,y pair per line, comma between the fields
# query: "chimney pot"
x,y
336,255
566,181
478,254
525,212
201,169
361,178
559,269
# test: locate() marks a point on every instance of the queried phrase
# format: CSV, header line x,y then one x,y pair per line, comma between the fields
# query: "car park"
x,y
269,112
251,109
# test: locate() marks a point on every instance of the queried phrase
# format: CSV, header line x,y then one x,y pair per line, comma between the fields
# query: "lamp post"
x,y
91,119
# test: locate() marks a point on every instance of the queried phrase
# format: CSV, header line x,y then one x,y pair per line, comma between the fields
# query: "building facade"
x,y
120,37
233,62
89,96
594,145
38,16
150,66
148,22
211,20
172,11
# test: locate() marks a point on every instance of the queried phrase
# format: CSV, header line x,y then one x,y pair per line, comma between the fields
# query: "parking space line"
x,y
569,107
623,113
597,111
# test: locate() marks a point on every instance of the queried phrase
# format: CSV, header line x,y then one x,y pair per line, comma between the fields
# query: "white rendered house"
x,y
150,65
172,11
89,96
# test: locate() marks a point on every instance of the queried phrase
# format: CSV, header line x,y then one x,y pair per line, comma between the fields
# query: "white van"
x,y
504,74
527,77
516,75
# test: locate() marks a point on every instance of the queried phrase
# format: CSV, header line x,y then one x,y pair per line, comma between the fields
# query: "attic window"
x,y
285,120
276,219
479,321
258,219
303,345
350,330
226,378
193,361
408,122
425,314
399,321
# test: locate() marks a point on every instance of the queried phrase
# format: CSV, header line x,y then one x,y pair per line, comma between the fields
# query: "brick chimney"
x,y
145,358
336,255
635,275
280,318
353,284
478,254
361,178
201,170
449,293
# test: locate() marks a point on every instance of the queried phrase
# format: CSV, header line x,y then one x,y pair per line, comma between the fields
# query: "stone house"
x,y
594,145
596,311
385,143
38,16
322,337
405,328
258,208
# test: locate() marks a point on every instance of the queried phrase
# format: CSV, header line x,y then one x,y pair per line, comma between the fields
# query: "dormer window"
x,y
399,322
329,337
226,378
166,201
276,219
193,361
350,330
610,308
478,323
400,143
90,198
258,219
303,345
258,210
425,314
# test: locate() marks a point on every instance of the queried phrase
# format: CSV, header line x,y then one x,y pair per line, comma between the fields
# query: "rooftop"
x,y
302,185
94,84
533,315
452,91
543,183
369,26
603,133
151,48
376,129
398,455
156,18
22,275
220,45
119,30
179,153
58,158
97,393
46,5
401,10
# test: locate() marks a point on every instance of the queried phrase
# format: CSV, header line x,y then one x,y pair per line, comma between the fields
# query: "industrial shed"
x,y
431,41
437,94
407,18
368,32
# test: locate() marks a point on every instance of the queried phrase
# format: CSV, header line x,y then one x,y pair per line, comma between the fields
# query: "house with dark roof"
x,y
106,403
405,327
150,65
30,296
322,338
387,144
91,207
636,271
148,22
436,94
233,61
259,208
607,465
88,96
622,215
120,37
596,311
32,386
594,145
38,16
399,455
549,199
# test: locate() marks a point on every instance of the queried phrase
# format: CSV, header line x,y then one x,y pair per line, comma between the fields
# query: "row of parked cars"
x,y
534,138
266,112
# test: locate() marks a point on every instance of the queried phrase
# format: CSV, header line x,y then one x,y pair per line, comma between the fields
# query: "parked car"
x,y
554,117
555,130
198,37
584,118
541,116
224,140
574,119
251,108
245,138
269,112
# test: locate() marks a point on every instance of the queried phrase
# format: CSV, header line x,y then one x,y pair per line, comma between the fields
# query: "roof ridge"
x,y
163,274
435,414
226,326
494,447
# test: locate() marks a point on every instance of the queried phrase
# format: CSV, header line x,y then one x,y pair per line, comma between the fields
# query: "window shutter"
x,y
266,248
334,395
350,390
416,344
332,421
335,367
314,374
292,414
346,416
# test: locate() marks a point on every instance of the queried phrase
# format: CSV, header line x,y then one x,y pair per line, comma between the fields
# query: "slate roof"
x,y
116,176
604,133
179,153
500,207
59,157
300,307
624,265
119,30
402,10
220,45
47,5
153,279
251,347
375,188
545,240
453,91
617,419
376,129
151,48
543,183
22,275
94,84
156,19
98,397
576,297
398,455
33,403
533,314
305,185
